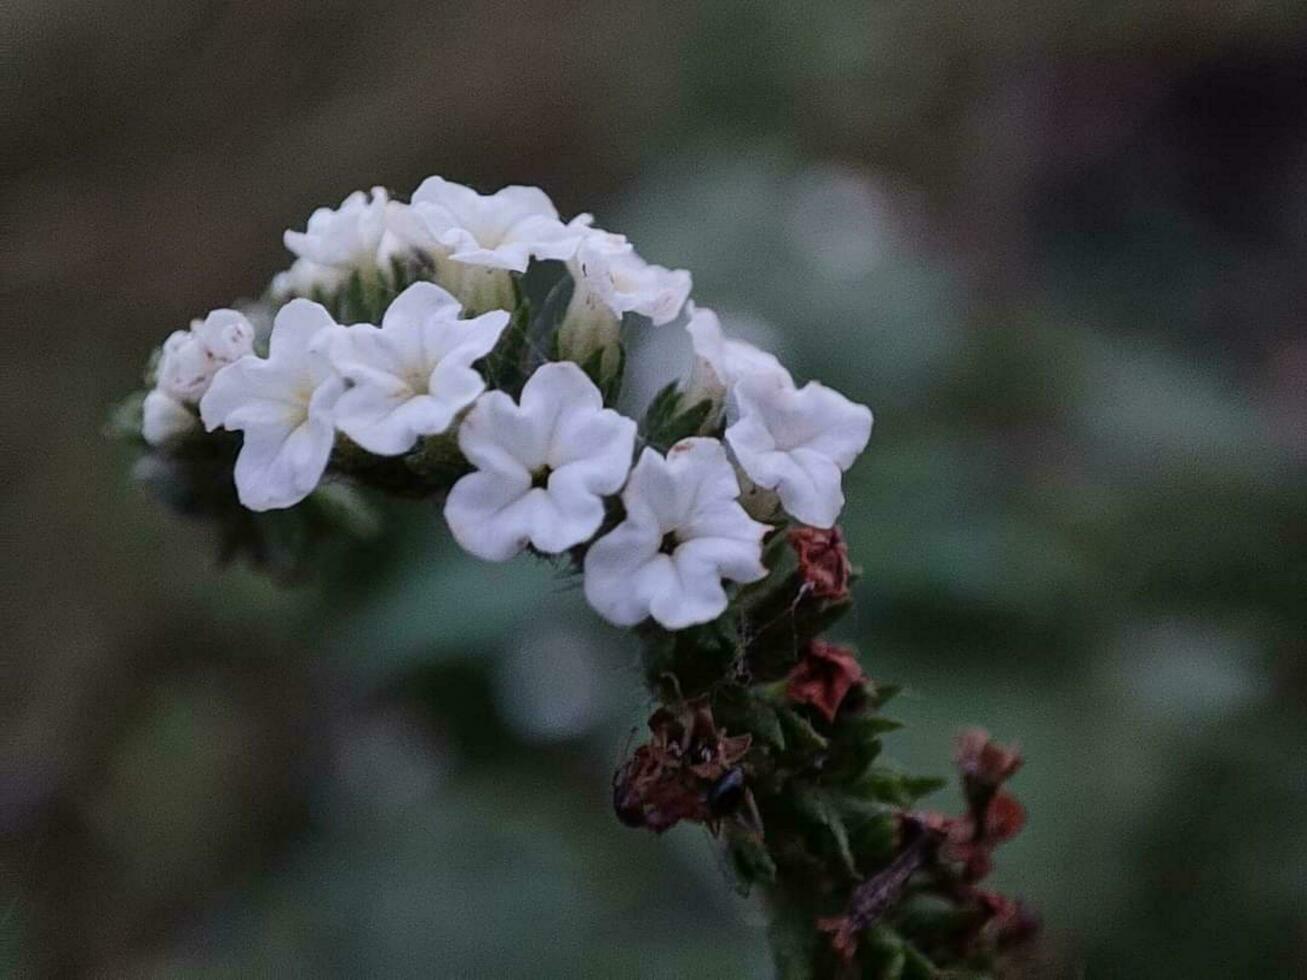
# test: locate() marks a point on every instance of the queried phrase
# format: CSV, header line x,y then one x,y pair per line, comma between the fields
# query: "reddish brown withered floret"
x,y
984,762
823,561
824,677
670,778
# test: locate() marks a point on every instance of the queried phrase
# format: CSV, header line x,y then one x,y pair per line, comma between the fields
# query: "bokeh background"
x,y
1061,249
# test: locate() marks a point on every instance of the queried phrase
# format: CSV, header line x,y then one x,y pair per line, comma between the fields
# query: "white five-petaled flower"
x,y
477,240
543,466
190,358
284,404
684,532
721,362
412,375
798,442
503,230
347,237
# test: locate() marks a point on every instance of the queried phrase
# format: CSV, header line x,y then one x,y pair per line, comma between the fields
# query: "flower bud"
x,y
190,358
164,419
589,329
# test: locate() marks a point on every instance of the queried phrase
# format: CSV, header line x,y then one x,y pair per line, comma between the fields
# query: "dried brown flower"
x,y
823,561
984,762
824,677
670,778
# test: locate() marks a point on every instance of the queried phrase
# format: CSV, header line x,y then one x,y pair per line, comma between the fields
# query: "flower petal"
x,y
296,325
491,514
623,571
496,436
279,467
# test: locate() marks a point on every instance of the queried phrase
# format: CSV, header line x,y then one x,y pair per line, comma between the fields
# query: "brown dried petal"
x,y
824,677
823,561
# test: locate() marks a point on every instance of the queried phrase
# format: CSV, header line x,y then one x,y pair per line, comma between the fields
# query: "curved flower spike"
x,y
348,236
798,442
191,358
283,403
684,532
412,375
502,230
543,467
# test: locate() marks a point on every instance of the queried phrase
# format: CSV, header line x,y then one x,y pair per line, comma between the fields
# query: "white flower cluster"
x,y
554,469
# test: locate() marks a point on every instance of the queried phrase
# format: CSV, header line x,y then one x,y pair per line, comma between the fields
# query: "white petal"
x,y
296,325
419,303
730,360
250,392
463,247
389,423
594,449
491,513
624,571
703,475
652,492
344,237
566,514
607,266
558,391
693,594
278,467
496,436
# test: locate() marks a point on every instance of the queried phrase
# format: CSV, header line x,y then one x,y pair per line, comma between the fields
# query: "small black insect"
x,y
727,793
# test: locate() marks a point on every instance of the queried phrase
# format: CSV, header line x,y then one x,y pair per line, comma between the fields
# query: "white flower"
x,y
305,278
164,418
797,441
612,280
608,270
502,230
191,358
721,362
413,374
348,237
284,404
543,467
684,532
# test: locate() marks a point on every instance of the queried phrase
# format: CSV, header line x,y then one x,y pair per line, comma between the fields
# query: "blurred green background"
x,y
1060,248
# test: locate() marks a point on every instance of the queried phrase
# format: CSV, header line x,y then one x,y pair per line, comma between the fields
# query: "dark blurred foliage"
x,y
1059,248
